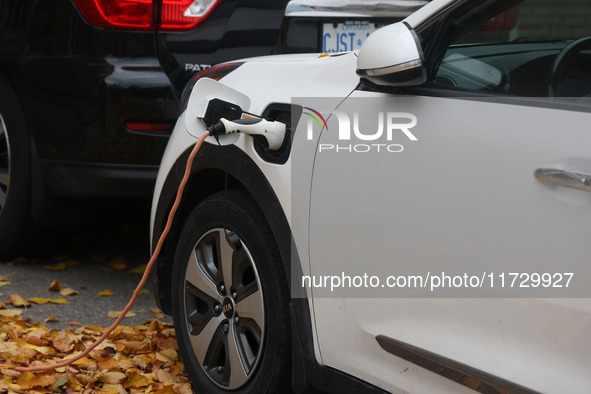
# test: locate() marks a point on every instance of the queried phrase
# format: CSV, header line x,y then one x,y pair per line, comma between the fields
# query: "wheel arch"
x,y
208,177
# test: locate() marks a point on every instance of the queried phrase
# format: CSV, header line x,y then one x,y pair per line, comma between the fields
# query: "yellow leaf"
x,y
18,300
155,310
108,363
170,353
55,286
159,316
165,390
50,319
3,283
39,301
106,293
4,278
107,390
73,323
155,326
136,345
112,378
163,376
14,387
39,381
10,312
24,380
82,361
45,350
115,314
68,292
136,381
139,270
59,301
56,267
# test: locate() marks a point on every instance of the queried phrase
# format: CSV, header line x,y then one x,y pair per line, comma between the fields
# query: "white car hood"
x,y
276,79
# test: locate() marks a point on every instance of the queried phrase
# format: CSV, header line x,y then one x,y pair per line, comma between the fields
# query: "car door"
x,y
493,186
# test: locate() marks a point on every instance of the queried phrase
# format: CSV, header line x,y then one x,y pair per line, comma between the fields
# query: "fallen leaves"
x,y
131,360
51,319
112,377
115,314
10,312
117,264
39,301
157,313
107,364
17,300
106,293
43,301
139,270
56,286
56,267
68,292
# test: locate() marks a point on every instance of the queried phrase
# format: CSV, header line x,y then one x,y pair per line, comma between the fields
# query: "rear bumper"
x,y
92,180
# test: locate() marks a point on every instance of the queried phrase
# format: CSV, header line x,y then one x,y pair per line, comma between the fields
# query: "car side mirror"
x,y
392,56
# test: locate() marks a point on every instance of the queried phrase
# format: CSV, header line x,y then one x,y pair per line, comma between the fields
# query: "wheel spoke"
x,y
226,256
199,279
238,374
4,177
251,307
202,342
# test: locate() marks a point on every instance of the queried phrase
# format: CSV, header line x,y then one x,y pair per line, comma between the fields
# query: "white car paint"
x,y
542,344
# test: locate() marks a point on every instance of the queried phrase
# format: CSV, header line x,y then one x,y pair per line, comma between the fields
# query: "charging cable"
x,y
271,133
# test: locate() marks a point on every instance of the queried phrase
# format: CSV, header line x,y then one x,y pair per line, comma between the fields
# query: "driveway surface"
x,y
97,257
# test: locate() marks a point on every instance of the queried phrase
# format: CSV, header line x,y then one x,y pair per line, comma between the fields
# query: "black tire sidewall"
x,y
242,216
15,218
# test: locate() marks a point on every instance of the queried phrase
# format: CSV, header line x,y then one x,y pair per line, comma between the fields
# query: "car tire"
x,y
17,229
231,304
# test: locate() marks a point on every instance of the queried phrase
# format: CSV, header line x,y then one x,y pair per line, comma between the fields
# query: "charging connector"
x,y
269,133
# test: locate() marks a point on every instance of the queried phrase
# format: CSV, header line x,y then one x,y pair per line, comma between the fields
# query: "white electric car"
x,y
446,252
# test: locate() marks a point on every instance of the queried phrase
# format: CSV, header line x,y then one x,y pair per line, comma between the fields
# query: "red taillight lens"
x,y
176,15
118,14
185,14
505,21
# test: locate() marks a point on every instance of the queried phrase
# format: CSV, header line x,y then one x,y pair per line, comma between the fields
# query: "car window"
x,y
531,48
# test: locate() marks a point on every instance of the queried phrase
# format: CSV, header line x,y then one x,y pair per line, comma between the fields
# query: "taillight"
x,y
505,21
176,15
215,73
185,14
118,14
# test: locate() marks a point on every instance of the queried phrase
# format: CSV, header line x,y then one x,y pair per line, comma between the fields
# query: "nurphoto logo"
x,y
395,122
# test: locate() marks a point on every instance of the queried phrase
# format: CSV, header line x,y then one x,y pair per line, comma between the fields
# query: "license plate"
x,y
348,36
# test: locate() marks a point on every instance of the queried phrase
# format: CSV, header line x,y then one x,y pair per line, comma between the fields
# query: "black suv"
x,y
90,90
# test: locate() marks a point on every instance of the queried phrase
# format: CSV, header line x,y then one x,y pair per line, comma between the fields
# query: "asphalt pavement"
x,y
97,257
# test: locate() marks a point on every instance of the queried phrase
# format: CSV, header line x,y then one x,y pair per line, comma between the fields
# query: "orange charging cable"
x,y
136,293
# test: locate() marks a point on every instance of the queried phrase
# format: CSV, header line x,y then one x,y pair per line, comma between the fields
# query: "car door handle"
x,y
554,177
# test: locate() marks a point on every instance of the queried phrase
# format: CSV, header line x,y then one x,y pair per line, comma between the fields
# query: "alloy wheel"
x,y
224,310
